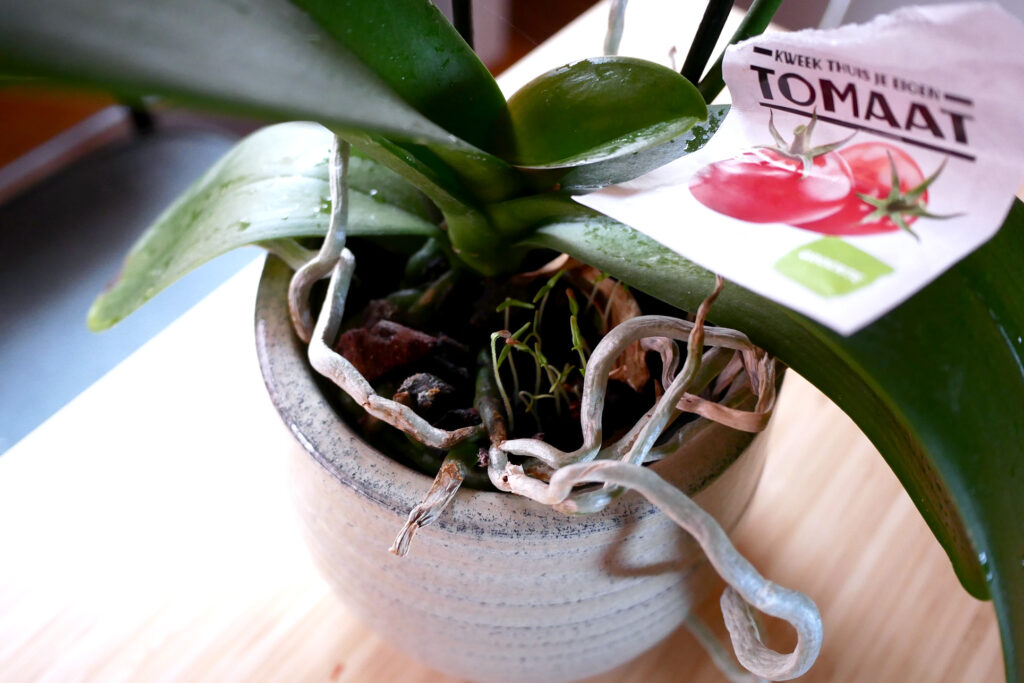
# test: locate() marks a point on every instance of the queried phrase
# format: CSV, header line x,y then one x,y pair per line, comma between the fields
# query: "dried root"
x,y
446,484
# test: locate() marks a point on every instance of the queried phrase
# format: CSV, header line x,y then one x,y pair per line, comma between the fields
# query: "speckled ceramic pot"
x,y
500,588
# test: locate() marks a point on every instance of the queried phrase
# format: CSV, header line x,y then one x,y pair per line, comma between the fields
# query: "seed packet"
x,y
856,164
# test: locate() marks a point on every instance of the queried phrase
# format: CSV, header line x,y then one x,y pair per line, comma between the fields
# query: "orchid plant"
x,y
414,140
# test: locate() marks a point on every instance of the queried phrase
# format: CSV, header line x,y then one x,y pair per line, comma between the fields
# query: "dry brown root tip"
x,y
446,484
741,420
745,421
728,375
617,305
695,342
546,271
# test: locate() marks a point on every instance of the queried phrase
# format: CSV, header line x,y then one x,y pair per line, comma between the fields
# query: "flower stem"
x,y
711,25
754,23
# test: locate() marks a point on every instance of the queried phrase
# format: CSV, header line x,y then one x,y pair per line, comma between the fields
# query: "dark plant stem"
x,y
462,18
758,17
711,25
139,114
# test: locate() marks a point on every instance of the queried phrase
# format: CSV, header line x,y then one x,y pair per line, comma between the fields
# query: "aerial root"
x,y
747,588
619,466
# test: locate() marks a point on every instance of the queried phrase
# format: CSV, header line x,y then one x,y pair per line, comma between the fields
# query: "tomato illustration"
x,y
768,186
889,193
792,182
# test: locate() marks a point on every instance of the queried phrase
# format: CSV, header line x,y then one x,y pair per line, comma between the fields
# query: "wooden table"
x,y
146,534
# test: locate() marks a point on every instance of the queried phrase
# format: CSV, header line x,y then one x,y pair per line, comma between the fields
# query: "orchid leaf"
x,y
600,109
260,57
410,46
619,169
937,385
469,232
272,185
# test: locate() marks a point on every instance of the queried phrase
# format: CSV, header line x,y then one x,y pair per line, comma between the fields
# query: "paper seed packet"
x,y
856,164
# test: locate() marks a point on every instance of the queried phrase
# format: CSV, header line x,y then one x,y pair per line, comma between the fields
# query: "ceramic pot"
x,y
499,588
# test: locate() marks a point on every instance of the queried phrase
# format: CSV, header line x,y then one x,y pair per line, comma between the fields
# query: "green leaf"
x,y
272,185
619,169
937,385
262,57
599,109
472,237
271,58
410,46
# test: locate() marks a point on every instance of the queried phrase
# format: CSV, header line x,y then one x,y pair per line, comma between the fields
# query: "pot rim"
x,y
296,393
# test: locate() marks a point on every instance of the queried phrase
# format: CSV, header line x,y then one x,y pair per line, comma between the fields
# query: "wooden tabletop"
x,y
146,532
146,535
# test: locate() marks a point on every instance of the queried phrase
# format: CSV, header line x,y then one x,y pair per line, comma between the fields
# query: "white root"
x,y
596,380
617,467
669,352
339,370
664,411
340,263
330,251
639,440
711,363
747,586
719,655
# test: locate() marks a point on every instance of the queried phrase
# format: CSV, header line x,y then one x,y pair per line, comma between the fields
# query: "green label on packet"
x,y
831,267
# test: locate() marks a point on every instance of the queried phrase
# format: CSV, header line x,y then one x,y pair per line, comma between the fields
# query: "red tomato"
x,y
766,186
872,176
